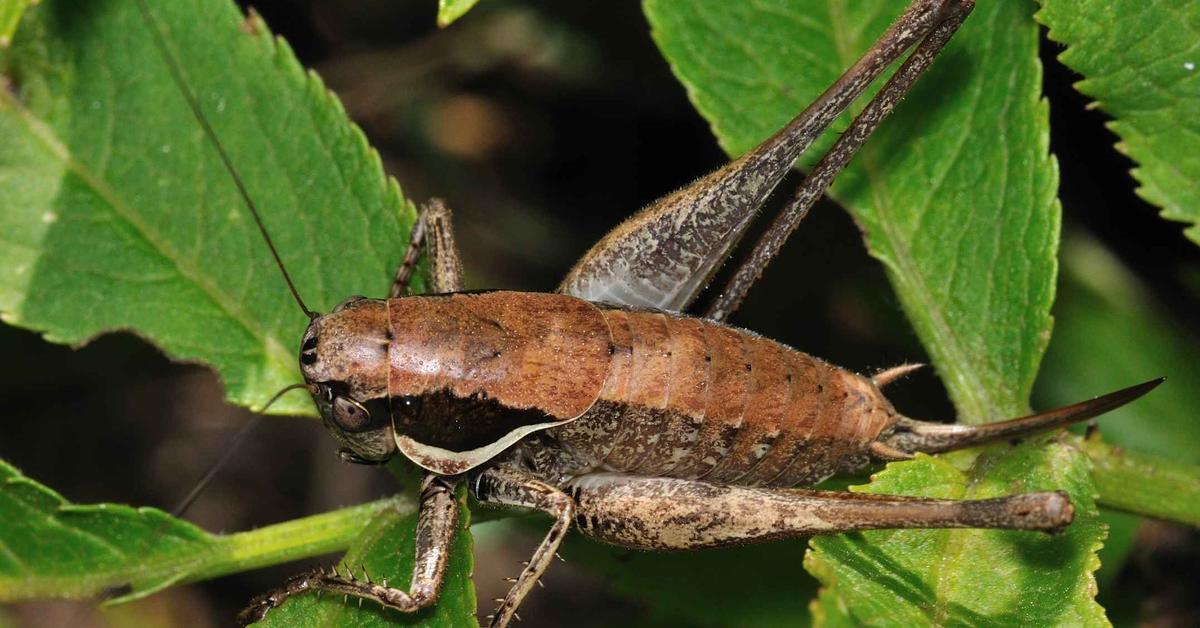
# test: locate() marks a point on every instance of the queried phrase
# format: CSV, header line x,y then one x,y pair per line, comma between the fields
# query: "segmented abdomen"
x,y
694,399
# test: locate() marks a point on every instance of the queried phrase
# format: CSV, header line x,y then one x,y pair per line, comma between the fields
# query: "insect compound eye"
x,y
350,415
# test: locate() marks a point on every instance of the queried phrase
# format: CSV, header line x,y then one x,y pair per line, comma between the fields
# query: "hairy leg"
x,y
670,514
436,525
665,254
822,174
433,232
506,486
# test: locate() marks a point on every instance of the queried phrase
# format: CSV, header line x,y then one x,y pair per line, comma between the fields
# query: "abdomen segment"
x,y
693,399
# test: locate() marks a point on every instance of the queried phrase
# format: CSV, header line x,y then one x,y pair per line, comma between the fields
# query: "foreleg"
x,y
669,514
436,525
434,233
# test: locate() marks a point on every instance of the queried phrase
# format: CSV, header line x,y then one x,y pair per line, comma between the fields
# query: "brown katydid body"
x,y
606,408
622,389
454,380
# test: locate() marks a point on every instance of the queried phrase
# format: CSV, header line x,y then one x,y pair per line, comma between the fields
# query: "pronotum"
x,y
604,406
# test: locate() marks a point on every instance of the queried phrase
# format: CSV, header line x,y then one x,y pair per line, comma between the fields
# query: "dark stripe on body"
x,y
444,420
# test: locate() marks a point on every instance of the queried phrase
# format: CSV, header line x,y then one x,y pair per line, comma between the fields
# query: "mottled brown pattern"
x,y
591,435
649,390
659,394
858,413
671,514
598,432
708,401
525,350
725,404
767,410
684,413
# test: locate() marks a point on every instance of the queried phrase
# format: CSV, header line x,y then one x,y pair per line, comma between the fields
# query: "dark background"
x,y
542,123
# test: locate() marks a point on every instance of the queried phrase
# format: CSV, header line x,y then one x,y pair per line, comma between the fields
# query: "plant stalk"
x,y
325,533
1144,484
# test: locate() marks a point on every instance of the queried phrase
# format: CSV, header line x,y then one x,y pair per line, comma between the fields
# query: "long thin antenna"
x,y
234,444
126,588
177,76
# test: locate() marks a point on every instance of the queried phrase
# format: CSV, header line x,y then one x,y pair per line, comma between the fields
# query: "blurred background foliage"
x,y
543,124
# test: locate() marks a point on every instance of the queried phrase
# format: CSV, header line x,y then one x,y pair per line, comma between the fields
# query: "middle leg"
x,y
506,486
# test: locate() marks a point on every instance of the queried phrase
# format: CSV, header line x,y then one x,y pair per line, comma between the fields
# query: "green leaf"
x,y
386,550
1122,531
52,548
1100,298
117,213
1140,60
829,610
450,10
116,210
695,588
10,16
1103,300
970,577
1145,484
955,194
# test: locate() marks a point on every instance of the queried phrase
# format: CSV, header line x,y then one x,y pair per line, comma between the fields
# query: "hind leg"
x,y
666,254
952,14
668,514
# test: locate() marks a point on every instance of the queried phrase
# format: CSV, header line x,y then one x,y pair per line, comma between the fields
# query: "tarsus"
x,y
194,105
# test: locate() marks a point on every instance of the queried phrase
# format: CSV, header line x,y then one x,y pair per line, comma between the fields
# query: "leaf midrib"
x,y
903,263
272,348
168,568
952,545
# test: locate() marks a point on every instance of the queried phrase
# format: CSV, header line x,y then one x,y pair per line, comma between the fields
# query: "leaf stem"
x,y
279,543
1144,484
299,538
